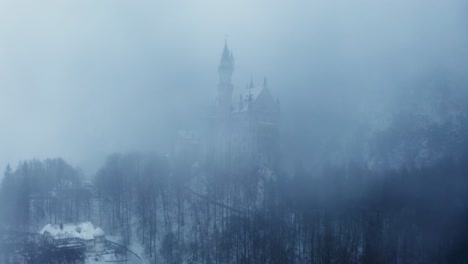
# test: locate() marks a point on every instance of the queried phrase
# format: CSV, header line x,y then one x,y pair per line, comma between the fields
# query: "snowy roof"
x,y
254,92
258,96
84,231
98,232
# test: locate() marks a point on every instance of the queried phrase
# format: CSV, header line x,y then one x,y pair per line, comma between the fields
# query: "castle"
x,y
240,134
244,133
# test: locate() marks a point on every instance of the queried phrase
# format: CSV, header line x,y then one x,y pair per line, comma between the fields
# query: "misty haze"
x,y
243,132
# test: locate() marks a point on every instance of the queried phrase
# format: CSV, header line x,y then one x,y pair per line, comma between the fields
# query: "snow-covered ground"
x,y
131,259
136,249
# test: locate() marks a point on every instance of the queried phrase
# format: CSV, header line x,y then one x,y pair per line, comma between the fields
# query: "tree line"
x,y
411,208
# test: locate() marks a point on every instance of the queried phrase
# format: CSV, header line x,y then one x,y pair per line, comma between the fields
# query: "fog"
x,y
222,131
83,79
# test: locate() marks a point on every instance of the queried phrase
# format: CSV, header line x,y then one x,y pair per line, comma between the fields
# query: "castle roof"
x,y
254,95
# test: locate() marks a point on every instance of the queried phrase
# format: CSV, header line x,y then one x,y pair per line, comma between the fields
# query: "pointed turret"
x,y
226,65
226,53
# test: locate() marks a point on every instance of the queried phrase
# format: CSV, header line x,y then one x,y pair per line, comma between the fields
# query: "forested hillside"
x,y
415,214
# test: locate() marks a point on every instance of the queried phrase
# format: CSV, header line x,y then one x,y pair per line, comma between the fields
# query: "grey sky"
x,y
83,79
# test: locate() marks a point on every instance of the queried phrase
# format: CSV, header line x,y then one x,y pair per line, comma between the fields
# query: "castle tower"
x,y
222,125
225,87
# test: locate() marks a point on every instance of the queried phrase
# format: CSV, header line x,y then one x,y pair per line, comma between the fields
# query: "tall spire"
x,y
226,65
265,82
227,54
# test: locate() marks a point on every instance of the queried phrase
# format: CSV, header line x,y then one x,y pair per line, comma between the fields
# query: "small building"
x,y
84,233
